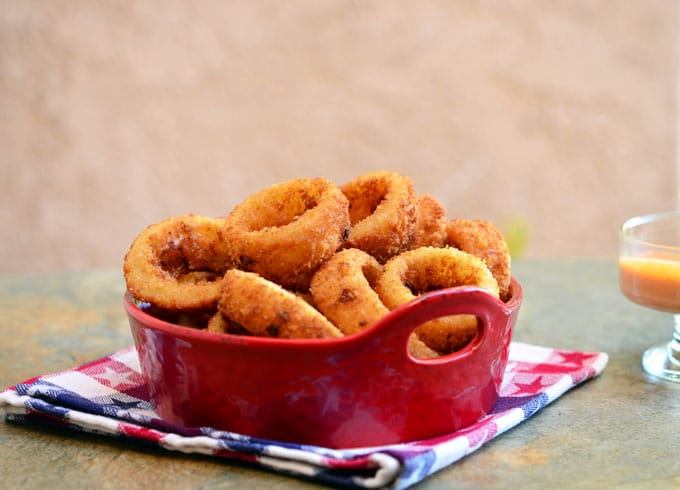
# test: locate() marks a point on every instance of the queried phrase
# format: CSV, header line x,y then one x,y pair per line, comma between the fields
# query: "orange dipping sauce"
x,y
652,281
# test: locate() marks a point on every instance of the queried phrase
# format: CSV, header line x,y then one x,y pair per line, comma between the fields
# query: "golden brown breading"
x,y
266,309
177,263
430,230
484,240
285,232
429,268
343,291
382,210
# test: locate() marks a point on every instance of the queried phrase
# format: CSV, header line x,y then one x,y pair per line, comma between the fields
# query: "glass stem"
x,y
674,345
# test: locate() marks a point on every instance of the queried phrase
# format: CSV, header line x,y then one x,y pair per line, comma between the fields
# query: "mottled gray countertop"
x,y
620,430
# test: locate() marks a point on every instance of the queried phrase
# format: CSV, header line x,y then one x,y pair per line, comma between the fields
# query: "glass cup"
x,y
649,274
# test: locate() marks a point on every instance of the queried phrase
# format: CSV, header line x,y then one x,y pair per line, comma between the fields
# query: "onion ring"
x,y
429,268
178,263
285,232
342,290
484,240
430,230
264,308
382,210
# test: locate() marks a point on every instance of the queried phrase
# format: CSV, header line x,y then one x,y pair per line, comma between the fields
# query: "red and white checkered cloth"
x,y
109,397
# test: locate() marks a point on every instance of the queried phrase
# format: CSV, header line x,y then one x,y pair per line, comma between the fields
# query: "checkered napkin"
x,y
109,397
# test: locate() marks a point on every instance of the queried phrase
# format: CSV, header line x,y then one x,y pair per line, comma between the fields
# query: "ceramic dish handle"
x,y
493,314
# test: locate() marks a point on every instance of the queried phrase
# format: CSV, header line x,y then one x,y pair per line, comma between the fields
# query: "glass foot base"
x,y
657,362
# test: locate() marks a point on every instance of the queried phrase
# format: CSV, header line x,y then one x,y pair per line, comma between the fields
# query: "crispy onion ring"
x,y
264,308
484,240
285,232
177,263
342,290
382,210
430,230
428,268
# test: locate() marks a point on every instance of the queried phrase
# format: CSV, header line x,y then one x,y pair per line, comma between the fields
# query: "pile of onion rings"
x,y
308,258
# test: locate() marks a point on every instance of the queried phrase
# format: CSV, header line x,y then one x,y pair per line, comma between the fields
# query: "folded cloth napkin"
x,y
109,397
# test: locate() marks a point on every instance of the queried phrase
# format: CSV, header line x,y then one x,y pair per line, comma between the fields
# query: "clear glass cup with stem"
x,y
649,274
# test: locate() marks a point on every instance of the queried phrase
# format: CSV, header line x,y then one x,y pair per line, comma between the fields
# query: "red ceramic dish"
x,y
360,390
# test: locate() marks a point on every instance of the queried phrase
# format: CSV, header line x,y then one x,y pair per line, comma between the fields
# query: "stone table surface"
x,y
620,430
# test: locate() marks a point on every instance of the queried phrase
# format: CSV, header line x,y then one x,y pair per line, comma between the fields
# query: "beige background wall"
x,y
558,115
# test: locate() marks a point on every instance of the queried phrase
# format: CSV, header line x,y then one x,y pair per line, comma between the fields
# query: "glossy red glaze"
x,y
360,390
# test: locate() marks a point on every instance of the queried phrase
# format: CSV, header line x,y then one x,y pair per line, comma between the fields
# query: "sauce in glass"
x,y
652,281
